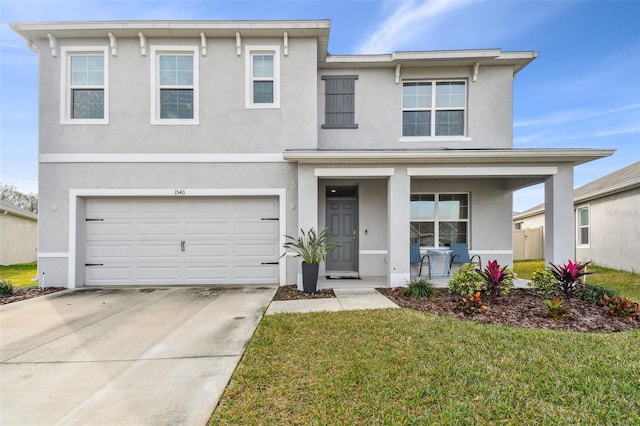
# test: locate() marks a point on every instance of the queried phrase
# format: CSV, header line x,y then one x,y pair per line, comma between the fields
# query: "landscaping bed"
x,y
519,308
291,292
27,293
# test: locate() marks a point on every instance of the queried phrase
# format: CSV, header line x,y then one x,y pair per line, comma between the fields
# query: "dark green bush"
x,y
6,288
420,288
594,292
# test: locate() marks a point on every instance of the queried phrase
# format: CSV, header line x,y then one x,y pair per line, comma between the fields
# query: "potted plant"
x,y
313,249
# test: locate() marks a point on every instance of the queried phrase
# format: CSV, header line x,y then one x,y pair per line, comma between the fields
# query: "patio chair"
x,y
460,255
417,258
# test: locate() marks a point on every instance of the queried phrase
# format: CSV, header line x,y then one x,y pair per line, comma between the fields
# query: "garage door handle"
x,y
93,264
181,245
270,263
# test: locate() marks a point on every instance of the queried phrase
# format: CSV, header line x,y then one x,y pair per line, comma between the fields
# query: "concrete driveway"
x,y
126,356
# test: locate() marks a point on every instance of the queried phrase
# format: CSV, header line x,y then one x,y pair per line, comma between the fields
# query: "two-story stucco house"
x,y
182,152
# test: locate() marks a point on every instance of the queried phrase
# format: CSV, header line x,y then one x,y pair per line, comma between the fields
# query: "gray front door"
x,y
342,221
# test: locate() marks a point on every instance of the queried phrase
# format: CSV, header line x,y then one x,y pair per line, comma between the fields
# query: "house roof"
x,y
574,156
34,31
8,208
621,180
618,181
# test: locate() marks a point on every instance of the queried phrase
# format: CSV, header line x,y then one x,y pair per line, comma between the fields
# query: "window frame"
x,y
250,52
436,220
156,52
580,226
433,109
66,89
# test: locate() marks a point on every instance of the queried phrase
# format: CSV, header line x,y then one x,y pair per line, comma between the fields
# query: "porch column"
x,y
307,206
559,237
399,216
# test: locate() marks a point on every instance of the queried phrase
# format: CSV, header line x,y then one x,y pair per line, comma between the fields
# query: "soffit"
x,y
451,157
319,29
433,59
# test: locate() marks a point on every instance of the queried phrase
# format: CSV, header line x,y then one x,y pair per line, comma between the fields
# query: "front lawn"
x,y
627,283
20,275
404,367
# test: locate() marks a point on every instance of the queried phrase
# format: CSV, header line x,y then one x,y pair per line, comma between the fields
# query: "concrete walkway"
x,y
346,299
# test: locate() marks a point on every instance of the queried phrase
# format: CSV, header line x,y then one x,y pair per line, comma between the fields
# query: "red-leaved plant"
x,y
568,276
497,279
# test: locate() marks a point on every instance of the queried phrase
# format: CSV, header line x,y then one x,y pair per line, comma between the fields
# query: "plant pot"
x,y
310,277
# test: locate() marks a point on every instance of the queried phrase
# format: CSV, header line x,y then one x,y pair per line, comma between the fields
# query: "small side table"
x,y
445,255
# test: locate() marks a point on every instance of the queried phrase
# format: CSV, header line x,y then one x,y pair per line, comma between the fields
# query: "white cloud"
x,y
404,23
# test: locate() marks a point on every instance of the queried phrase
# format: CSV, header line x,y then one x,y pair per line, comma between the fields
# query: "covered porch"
x,y
385,183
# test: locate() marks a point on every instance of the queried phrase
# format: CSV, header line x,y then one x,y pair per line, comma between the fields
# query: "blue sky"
x,y
583,91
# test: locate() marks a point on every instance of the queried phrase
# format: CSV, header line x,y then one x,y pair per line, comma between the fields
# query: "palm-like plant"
x,y
569,276
497,279
312,247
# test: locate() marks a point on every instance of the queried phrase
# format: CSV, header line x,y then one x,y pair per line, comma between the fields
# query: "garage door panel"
x,y
164,228
119,251
255,249
264,273
208,240
210,273
198,251
207,229
158,251
106,275
159,273
255,228
109,229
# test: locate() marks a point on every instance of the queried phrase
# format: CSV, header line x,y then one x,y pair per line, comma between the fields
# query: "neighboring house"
x,y
18,235
182,152
607,220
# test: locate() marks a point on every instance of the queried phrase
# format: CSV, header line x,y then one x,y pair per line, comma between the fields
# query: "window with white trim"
x,y
583,226
262,68
437,220
84,86
433,108
174,85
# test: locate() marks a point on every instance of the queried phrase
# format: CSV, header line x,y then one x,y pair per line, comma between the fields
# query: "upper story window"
x,y
434,108
583,226
437,220
84,86
262,69
174,85
339,105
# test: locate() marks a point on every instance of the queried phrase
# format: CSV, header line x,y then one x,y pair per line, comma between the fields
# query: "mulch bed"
x,y
520,308
291,292
28,293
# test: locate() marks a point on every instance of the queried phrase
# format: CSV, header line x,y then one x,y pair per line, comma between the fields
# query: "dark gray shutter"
x,y
339,103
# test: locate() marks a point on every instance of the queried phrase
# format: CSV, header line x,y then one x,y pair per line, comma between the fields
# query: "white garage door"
x,y
221,240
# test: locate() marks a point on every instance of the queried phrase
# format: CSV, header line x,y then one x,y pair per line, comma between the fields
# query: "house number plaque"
x,y
179,192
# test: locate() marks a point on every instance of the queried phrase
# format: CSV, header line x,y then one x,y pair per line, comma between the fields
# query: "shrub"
x,y
420,288
568,276
471,304
594,293
6,288
497,280
544,282
621,307
466,281
556,310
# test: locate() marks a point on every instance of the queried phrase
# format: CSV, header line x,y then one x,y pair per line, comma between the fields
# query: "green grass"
x,y
20,275
627,283
401,367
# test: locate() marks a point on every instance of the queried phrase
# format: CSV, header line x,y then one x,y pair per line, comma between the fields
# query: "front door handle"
x,y
354,234
181,245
